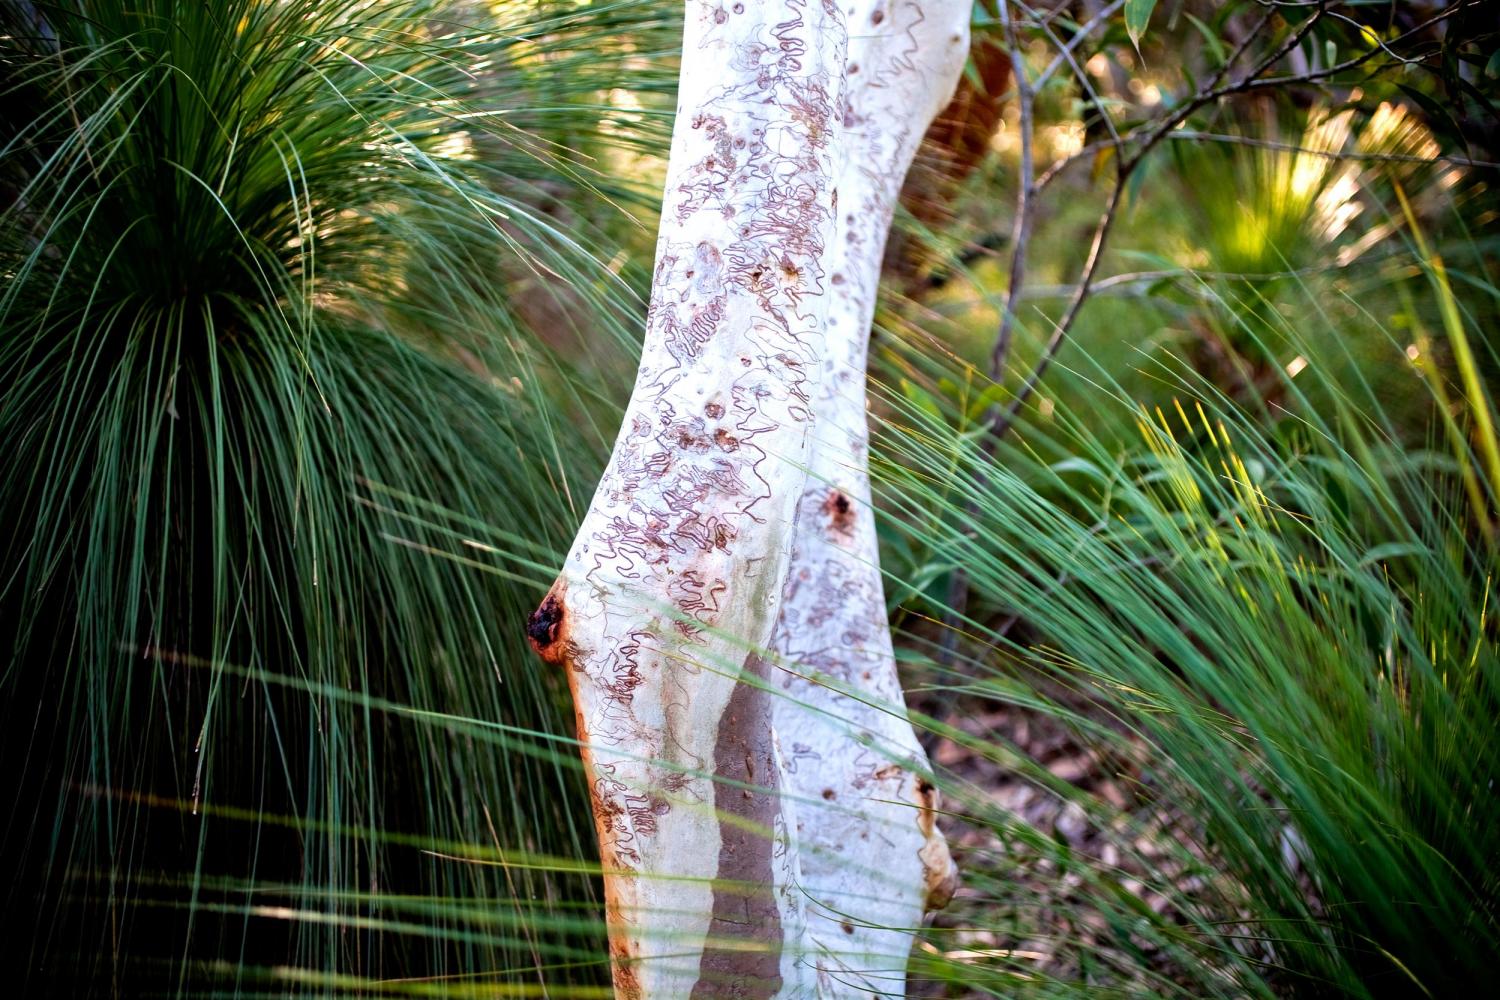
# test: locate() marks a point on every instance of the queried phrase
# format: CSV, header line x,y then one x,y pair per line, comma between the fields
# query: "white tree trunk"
x,y
674,583
871,856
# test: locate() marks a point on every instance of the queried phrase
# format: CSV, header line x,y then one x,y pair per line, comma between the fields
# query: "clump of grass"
x,y
1275,624
263,315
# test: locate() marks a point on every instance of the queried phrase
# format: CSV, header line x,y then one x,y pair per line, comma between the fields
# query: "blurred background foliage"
x,y
315,323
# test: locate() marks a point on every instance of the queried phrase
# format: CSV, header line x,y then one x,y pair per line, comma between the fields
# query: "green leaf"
x,y
1209,37
922,399
981,403
1439,118
1137,15
1391,550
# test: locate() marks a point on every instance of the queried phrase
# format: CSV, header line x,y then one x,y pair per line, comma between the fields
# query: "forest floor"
x,y
1045,871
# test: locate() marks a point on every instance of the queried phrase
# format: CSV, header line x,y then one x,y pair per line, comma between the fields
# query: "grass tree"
x,y
757,845
265,360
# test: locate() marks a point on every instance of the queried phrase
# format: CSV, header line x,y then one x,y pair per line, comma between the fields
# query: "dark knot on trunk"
x,y
839,510
545,624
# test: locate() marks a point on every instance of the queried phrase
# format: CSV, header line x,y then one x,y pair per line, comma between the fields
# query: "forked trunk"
x,y
764,284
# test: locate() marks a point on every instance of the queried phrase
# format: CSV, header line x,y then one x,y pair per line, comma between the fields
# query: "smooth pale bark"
x,y
675,580
871,856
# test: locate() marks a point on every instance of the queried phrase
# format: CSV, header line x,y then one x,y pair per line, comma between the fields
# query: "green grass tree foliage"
x,y
1277,622
261,360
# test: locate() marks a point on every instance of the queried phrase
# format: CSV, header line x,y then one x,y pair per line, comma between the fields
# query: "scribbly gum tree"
x,y
762,822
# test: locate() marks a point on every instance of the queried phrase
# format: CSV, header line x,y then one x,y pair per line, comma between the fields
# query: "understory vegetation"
x,y
316,318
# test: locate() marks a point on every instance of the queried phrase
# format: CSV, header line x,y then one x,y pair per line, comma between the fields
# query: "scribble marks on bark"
x,y
685,545
627,983
743,955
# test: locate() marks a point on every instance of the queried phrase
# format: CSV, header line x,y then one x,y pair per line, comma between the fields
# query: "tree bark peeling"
x,y
761,291
742,957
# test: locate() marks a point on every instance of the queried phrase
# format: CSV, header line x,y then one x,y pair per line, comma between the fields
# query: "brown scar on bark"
x,y
742,957
840,512
687,440
627,984
618,895
548,632
547,628
939,873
